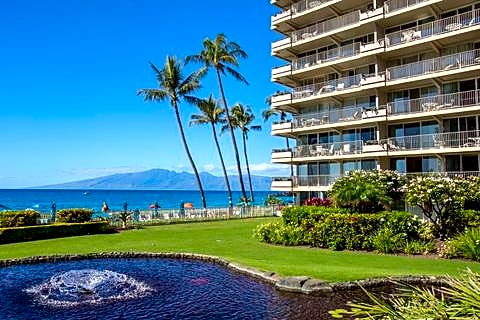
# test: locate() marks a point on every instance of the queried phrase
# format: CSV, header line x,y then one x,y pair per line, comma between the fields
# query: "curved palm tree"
x,y
221,55
212,113
172,86
242,117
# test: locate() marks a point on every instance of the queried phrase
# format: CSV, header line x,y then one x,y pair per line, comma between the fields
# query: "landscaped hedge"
x,y
335,228
74,215
9,235
10,219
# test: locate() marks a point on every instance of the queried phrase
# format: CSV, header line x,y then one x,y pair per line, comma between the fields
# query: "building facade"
x,y
376,85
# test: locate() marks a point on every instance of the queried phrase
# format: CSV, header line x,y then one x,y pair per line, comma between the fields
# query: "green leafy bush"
x,y
387,241
367,191
402,222
74,215
465,245
20,234
10,219
278,233
419,247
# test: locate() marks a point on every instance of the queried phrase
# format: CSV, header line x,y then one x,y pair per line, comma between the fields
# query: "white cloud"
x,y
209,168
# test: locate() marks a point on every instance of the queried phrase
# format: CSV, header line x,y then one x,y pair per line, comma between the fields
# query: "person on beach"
x,y
156,206
125,206
105,208
54,211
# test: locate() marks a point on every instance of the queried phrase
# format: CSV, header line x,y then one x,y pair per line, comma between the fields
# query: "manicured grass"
x,y
233,240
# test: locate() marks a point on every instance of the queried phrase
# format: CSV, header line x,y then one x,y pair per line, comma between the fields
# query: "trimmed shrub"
x,y
402,222
10,219
9,235
278,233
74,215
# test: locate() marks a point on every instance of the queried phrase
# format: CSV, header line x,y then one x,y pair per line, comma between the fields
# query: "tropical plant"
x,y
459,298
173,85
222,55
465,245
387,241
367,191
212,113
242,117
441,200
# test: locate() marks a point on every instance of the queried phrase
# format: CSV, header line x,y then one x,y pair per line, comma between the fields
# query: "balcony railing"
x,y
326,56
435,103
327,86
451,174
304,5
434,28
280,16
328,149
315,181
461,139
425,67
338,115
395,5
326,26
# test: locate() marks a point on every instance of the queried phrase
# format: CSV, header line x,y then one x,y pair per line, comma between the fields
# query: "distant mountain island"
x,y
161,179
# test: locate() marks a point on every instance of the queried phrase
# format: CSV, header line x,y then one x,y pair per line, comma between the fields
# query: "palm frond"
x,y
236,74
153,94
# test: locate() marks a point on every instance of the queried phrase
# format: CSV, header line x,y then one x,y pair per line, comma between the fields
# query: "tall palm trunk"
x,y
244,137
234,142
227,182
182,134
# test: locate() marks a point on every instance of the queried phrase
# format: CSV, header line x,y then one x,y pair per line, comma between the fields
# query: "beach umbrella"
x,y
188,205
152,206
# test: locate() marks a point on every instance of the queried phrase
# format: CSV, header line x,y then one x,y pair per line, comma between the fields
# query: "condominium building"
x,y
376,85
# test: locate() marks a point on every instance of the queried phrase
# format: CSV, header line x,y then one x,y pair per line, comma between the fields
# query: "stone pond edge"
x,y
296,284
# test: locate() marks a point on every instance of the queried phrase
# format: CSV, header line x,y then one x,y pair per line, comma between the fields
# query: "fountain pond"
x,y
148,288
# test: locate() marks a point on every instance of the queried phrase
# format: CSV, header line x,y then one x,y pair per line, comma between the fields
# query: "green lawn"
x,y
233,240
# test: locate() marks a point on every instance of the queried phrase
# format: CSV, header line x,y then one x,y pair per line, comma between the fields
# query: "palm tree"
x,y
266,114
221,55
242,117
172,86
212,113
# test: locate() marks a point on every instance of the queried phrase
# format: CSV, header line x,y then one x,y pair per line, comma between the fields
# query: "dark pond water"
x,y
148,289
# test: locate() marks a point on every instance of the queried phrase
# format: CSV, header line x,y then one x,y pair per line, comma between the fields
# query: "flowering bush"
x,y
317,202
367,191
440,199
387,241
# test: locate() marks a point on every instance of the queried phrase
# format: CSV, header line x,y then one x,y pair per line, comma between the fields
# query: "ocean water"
x,y
42,200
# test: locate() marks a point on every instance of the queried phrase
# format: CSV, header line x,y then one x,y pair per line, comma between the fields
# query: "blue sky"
x,y
69,75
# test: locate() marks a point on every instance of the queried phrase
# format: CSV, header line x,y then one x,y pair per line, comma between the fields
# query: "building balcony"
x,y
442,27
337,116
280,45
281,72
281,155
281,127
453,63
451,174
281,17
282,184
335,149
439,104
394,6
446,142
335,86
314,181
281,99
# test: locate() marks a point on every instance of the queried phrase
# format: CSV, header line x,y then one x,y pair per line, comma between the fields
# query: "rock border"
x,y
296,284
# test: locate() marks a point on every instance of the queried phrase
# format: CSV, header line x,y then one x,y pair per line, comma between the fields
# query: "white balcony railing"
x,y
326,26
327,86
395,5
434,28
435,103
282,70
326,56
461,139
328,149
440,64
315,180
338,115
280,16
304,5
